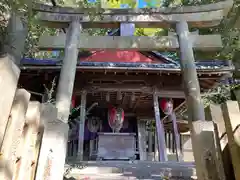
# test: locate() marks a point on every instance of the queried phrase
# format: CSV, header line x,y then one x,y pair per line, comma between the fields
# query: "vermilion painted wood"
x,y
121,56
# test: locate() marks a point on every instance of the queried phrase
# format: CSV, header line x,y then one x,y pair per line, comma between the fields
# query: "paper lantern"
x,y
166,106
115,118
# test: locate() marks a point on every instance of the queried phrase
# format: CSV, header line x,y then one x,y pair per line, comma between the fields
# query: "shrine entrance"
x,y
119,122
179,19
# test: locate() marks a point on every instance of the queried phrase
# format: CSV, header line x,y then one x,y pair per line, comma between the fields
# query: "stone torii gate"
x,y
180,18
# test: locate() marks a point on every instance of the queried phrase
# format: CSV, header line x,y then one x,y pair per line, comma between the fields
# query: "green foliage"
x,y
34,32
230,35
220,94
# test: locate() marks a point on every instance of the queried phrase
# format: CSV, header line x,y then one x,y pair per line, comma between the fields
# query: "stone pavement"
x,y
130,170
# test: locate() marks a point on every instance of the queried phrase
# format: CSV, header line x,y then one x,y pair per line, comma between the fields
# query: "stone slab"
x,y
53,148
163,10
13,133
192,14
144,43
29,138
137,169
231,115
9,74
148,20
205,149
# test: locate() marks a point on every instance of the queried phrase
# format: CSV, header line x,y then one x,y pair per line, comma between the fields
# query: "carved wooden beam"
x,y
163,92
146,79
144,43
132,88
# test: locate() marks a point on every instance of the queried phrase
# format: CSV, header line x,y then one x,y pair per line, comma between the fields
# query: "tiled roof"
x,y
53,62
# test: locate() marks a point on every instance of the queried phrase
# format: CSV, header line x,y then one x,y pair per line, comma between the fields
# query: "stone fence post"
x,y
231,115
52,153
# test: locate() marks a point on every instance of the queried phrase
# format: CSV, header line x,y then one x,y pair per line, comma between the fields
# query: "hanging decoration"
x,y
166,106
93,124
115,118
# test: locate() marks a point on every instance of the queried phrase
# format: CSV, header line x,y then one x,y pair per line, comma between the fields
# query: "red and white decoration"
x,y
115,118
166,106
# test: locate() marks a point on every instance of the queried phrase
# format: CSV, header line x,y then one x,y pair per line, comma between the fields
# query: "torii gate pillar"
x,y
68,71
202,132
64,93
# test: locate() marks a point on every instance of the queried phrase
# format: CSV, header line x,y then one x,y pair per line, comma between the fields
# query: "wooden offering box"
x,y
116,146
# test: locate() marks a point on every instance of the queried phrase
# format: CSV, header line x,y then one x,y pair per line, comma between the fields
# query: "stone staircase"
x,y
129,170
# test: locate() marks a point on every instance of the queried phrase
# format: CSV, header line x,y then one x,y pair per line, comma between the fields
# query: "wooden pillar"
x,y
172,116
150,144
141,125
91,147
160,131
82,125
202,136
74,148
68,71
156,152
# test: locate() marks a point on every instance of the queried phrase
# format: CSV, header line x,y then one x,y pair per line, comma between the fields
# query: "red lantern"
x,y
166,106
115,118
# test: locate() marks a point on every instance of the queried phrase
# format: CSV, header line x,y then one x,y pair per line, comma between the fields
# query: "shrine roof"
x,y
216,65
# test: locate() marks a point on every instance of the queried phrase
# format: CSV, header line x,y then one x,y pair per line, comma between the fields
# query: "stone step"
x,y
131,170
122,177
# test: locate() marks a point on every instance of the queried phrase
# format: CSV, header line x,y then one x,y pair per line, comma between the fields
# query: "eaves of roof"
x,y
32,63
